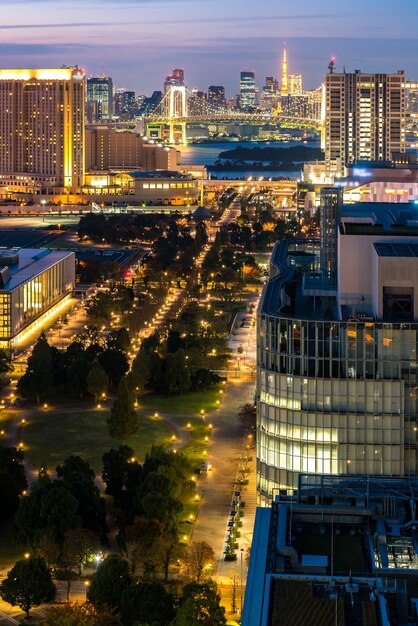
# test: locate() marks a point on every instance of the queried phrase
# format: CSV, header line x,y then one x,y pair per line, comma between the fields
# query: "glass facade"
x,y
23,303
335,397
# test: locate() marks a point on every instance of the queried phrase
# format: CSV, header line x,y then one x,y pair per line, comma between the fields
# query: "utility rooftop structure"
x,y
337,384
34,283
342,550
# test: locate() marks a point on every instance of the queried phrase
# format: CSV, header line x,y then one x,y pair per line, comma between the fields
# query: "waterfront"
x,y
207,153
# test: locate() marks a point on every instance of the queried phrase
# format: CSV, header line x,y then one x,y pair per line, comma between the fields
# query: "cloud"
x,y
59,25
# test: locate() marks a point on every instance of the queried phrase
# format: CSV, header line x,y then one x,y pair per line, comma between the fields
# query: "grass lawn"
x,y
191,403
51,437
5,419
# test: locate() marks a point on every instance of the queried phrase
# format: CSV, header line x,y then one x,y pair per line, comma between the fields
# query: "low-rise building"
x,y
341,550
34,284
153,187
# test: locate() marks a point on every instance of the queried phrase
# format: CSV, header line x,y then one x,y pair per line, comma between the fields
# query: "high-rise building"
x,y
175,79
284,91
248,93
100,90
295,106
271,87
125,103
364,118
295,84
315,103
150,104
196,103
216,95
337,387
41,129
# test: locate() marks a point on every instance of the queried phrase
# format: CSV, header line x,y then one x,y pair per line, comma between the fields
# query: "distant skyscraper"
x,y
285,83
271,87
364,118
196,104
216,95
125,103
150,104
175,79
42,129
295,84
248,93
100,90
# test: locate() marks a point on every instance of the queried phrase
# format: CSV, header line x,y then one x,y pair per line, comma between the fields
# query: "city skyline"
x,y
158,36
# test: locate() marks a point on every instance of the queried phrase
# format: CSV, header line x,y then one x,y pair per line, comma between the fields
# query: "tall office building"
x,y
248,93
364,118
125,103
271,87
336,349
216,95
175,79
284,91
196,103
295,84
100,90
41,129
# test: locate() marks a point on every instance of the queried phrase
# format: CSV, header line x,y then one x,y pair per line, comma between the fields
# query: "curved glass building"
x,y
337,349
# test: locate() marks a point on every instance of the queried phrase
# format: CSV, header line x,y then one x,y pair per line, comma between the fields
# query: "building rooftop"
x,y
340,543
386,218
171,174
397,249
18,265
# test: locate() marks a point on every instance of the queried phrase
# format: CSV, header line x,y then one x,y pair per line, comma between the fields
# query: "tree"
x,y
48,548
109,582
167,551
80,615
6,365
28,584
200,605
147,603
49,508
199,560
123,419
247,415
157,500
115,469
12,479
139,541
37,381
97,381
69,615
115,363
79,478
80,547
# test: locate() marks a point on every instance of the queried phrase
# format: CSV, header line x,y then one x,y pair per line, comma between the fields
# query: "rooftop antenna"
x,y
331,65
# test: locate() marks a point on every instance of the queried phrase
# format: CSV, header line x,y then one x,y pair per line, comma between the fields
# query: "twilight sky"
x,y
138,42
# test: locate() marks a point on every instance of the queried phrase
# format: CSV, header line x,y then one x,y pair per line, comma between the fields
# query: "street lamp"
x,y
86,584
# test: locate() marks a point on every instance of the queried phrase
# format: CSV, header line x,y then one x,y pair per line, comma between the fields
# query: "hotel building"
x,y
41,130
364,118
337,387
34,284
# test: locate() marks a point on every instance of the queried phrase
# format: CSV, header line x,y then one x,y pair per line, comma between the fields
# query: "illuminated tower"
x,y
285,85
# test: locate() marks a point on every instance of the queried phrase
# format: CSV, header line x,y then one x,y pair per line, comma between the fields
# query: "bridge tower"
x,y
176,113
